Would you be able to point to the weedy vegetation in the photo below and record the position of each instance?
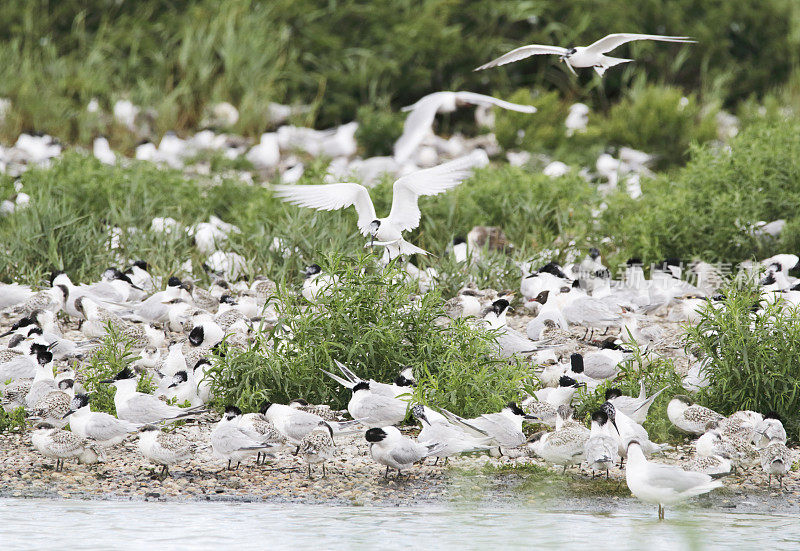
(105, 362)
(372, 324)
(753, 356)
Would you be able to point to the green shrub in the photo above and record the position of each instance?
(13, 421)
(701, 210)
(369, 324)
(660, 120)
(378, 129)
(753, 361)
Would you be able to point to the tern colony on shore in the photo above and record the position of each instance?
(151, 313)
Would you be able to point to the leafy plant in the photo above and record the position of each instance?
(752, 356)
(367, 320)
(13, 421)
(378, 129)
(111, 357)
(661, 120)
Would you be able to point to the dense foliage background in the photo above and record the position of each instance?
(178, 56)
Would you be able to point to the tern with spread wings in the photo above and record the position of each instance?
(584, 56)
(405, 214)
(421, 116)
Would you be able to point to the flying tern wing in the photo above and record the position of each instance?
(616, 40)
(331, 197)
(417, 125)
(522, 53)
(405, 212)
(481, 99)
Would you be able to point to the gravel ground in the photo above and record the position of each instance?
(353, 478)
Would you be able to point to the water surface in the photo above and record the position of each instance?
(102, 525)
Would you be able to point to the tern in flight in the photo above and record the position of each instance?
(420, 119)
(405, 214)
(584, 56)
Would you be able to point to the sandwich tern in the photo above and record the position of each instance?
(389, 447)
(776, 459)
(163, 448)
(404, 215)
(689, 417)
(138, 407)
(504, 427)
(601, 450)
(584, 56)
(232, 443)
(57, 444)
(448, 438)
(420, 119)
(663, 484)
(563, 446)
(317, 446)
(373, 409)
(102, 428)
(635, 408)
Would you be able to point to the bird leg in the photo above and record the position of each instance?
(229, 464)
(605, 332)
(445, 461)
(323, 470)
(386, 475)
(436, 462)
(585, 334)
(769, 481)
(309, 472)
(564, 471)
(606, 473)
(296, 451)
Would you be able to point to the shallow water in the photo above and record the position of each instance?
(93, 525)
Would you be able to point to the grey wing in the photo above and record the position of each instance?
(148, 406)
(481, 99)
(408, 453)
(105, 427)
(379, 407)
(674, 478)
(513, 342)
(523, 52)
(233, 438)
(612, 41)
(417, 125)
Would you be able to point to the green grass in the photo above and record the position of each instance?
(77, 200)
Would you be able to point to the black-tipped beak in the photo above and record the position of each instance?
(615, 426)
(67, 414)
(7, 333)
(530, 417)
(106, 381)
(52, 345)
(173, 385)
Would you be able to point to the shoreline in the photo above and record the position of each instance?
(354, 479)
